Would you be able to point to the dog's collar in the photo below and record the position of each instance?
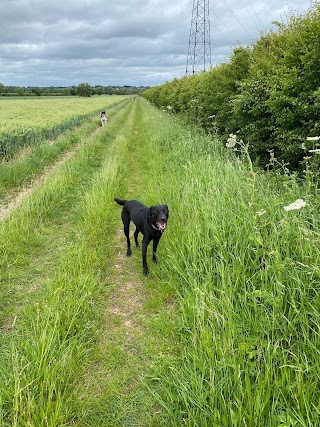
(155, 228)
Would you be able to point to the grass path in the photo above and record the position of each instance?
(59, 294)
(133, 336)
(34, 234)
(48, 281)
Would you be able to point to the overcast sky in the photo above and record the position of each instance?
(120, 42)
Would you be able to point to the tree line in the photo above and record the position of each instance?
(83, 89)
(267, 95)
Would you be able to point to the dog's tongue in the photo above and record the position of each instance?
(161, 225)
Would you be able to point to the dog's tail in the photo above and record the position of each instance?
(119, 201)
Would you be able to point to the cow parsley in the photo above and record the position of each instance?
(298, 204)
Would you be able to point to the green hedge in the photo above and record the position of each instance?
(268, 93)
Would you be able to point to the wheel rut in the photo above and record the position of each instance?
(14, 198)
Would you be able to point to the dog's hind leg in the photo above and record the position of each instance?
(126, 228)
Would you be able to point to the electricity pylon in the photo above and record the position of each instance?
(199, 51)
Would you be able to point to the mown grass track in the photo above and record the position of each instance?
(138, 318)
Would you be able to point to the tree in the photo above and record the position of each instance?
(84, 89)
(36, 91)
(99, 90)
(20, 91)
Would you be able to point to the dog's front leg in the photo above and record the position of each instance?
(155, 245)
(145, 243)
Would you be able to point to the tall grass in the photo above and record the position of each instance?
(247, 279)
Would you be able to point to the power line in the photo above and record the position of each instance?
(228, 29)
(236, 18)
(250, 14)
(262, 24)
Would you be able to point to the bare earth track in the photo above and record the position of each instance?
(14, 200)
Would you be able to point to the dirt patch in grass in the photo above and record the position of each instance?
(127, 299)
(14, 200)
(113, 381)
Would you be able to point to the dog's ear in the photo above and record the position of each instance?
(151, 211)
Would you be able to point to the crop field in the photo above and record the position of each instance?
(29, 120)
(225, 329)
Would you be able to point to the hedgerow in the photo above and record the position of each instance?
(268, 93)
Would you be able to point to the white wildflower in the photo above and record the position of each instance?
(303, 146)
(169, 107)
(272, 156)
(211, 117)
(313, 138)
(231, 141)
(298, 204)
(317, 150)
(261, 212)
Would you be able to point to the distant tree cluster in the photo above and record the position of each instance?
(268, 94)
(83, 89)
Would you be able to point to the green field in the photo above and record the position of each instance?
(224, 332)
(29, 121)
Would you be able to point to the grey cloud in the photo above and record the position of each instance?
(125, 42)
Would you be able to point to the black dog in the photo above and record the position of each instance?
(151, 222)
